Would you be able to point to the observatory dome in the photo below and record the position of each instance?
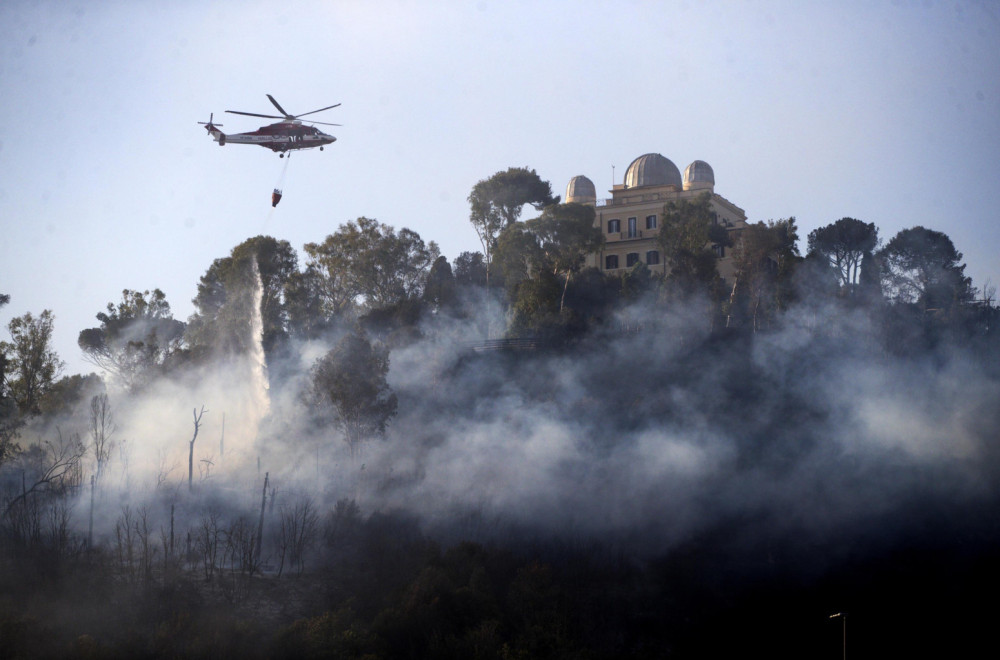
(652, 170)
(698, 175)
(581, 190)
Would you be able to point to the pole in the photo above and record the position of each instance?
(260, 525)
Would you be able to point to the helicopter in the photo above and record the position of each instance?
(284, 136)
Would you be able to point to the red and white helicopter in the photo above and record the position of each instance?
(286, 135)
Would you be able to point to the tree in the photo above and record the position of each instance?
(9, 420)
(197, 425)
(921, 266)
(134, 338)
(348, 386)
(226, 295)
(845, 244)
(31, 364)
(764, 256)
(470, 269)
(102, 428)
(497, 203)
(439, 291)
(687, 235)
(565, 234)
(369, 263)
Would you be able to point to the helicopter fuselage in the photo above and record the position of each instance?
(280, 137)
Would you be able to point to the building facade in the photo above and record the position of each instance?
(631, 218)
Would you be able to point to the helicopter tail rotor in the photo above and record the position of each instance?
(213, 130)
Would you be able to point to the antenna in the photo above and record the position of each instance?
(612, 176)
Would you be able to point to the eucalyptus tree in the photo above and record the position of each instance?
(30, 362)
(369, 264)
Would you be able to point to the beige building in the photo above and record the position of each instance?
(630, 220)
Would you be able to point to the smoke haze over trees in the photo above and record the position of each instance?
(641, 465)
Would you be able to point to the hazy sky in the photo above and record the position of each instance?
(884, 111)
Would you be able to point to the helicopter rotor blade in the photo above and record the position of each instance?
(315, 111)
(210, 122)
(325, 123)
(254, 114)
(280, 109)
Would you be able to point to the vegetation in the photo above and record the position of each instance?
(645, 467)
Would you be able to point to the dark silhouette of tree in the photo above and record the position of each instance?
(845, 244)
(348, 387)
(134, 338)
(765, 256)
(470, 269)
(439, 291)
(921, 266)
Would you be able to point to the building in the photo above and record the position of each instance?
(630, 220)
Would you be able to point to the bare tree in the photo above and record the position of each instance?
(298, 532)
(58, 468)
(102, 428)
(197, 424)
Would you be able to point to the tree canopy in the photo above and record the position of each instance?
(348, 386)
(31, 362)
(845, 244)
(226, 292)
(370, 264)
(922, 266)
(497, 203)
(135, 336)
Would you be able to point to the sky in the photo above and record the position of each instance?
(888, 112)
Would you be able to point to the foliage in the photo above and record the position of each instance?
(921, 266)
(348, 387)
(497, 202)
(134, 338)
(439, 291)
(470, 269)
(370, 264)
(688, 231)
(31, 363)
(67, 393)
(845, 245)
(225, 299)
(764, 256)
(556, 242)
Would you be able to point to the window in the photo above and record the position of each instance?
(631, 228)
(650, 222)
(653, 256)
(719, 250)
(631, 259)
(614, 227)
(611, 262)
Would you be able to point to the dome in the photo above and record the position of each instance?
(652, 170)
(581, 190)
(698, 174)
